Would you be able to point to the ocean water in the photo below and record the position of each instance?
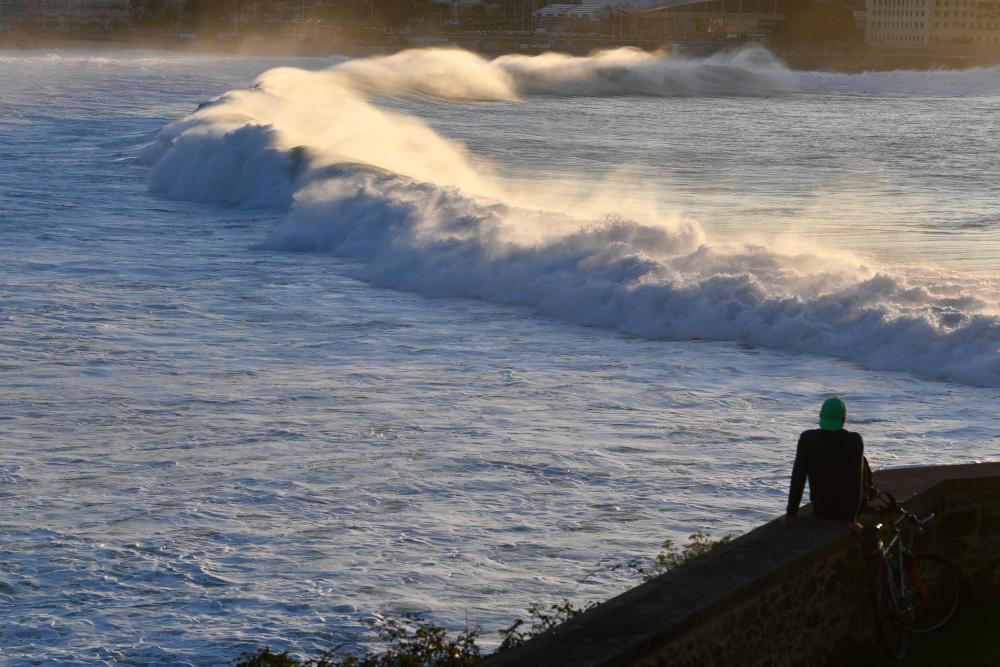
(293, 346)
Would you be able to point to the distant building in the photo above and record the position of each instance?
(572, 18)
(933, 23)
(11, 13)
(67, 15)
(455, 10)
(712, 20)
(903, 24)
(965, 23)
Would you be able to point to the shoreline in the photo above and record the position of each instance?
(848, 62)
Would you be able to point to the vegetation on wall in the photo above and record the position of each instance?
(417, 642)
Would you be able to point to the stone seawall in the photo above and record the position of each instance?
(780, 595)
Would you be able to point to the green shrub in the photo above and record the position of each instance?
(542, 618)
(671, 556)
(412, 642)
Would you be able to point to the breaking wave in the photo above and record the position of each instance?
(460, 75)
(419, 214)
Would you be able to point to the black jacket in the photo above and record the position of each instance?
(832, 462)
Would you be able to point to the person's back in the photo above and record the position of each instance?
(832, 460)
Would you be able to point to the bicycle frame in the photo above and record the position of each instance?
(897, 558)
(910, 592)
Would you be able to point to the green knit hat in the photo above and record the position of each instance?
(833, 414)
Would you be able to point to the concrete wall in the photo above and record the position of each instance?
(779, 595)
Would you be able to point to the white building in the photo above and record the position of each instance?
(967, 23)
(898, 23)
(934, 23)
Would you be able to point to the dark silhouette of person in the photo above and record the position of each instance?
(832, 459)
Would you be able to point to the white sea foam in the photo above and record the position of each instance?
(384, 188)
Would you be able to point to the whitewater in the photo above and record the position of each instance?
(293, 346)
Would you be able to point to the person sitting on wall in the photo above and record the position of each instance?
(832, 459)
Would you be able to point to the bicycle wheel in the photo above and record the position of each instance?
(888, 623)
(934, 588)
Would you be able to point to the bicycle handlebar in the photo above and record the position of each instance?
(903, 514)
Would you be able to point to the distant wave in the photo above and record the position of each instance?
(384, 189)
(98, 58)
(461, 75)
(973, 82)
(454, 74)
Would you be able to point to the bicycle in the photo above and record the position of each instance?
(910, 592)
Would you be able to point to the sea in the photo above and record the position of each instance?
(291, 348)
